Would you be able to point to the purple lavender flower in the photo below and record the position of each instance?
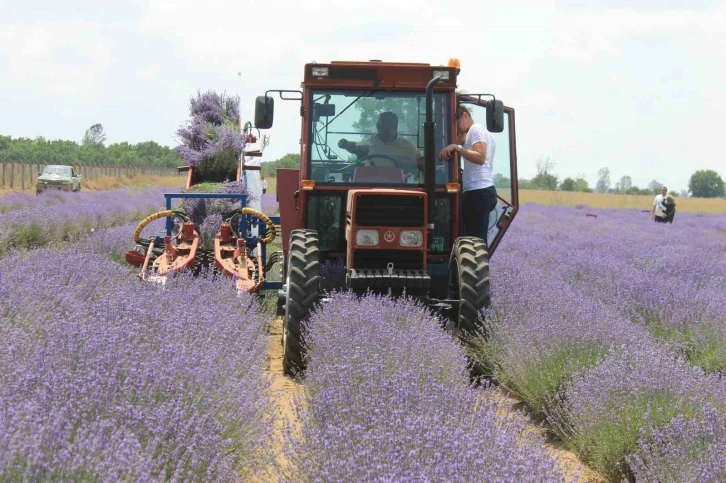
(104, 377)
(389, 400)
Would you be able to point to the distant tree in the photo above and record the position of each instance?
(501, 181)
(545, 180)
(94, 136)
(706, 184)
(654, 186)
(623, 185)
(603, 180)
(568, 184)
(582, 185)
(290, 160)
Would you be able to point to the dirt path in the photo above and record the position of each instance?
(287, 400)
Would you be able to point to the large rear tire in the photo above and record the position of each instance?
(469, 283)
(302, 292)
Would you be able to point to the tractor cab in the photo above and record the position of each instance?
(372, 194)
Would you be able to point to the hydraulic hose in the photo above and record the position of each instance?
(155, 216)
(271, 231)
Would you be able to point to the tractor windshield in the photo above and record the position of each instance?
(373, 138)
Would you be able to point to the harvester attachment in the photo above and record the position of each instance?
(232, 254)
(176, 254)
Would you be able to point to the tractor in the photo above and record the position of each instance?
(385, 208)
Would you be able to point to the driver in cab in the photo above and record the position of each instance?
(387, 144)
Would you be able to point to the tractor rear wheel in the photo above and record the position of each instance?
(302, 292)
(469, 283)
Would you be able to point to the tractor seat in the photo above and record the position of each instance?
(377, 174)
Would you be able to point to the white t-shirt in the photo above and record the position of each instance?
(264, 183)
(658, 203)
(478, 176)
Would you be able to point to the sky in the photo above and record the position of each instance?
(636, 86)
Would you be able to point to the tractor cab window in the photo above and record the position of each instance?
(373, 138)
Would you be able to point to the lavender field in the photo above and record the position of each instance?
(612, 331)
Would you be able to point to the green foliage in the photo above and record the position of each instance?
(706, 184)
(540, 382)
(608, 442)
(603, 180)
(501, 181)
(407, 110)
(291, 160)
(94, 136)
(568, 184)
(41, 151)
(545, 181)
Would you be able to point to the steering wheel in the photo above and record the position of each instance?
(359, 161)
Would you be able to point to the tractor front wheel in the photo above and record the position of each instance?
(469, 284)
(303, 276)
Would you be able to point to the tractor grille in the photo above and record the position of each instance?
(401, 259)
(389, 210)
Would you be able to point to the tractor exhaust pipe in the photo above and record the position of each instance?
(430, 155)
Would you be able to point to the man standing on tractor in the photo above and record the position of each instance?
(387, 143)
(479, 194)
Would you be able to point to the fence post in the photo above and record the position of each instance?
(2, 180)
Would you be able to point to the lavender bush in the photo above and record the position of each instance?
(103, 377)
(686, 449)
(602, 411)
(389, 400)
(592, 318)
(42, 225)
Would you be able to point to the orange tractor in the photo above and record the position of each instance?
(389, 213)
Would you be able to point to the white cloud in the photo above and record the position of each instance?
(57, 59)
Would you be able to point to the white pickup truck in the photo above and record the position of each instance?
(57, 177)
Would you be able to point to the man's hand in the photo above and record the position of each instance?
(448, 152)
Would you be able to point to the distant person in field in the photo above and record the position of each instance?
(657, 213)
(264, 185)
(669, 209)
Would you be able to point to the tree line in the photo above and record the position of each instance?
(702, 184)
(91, 151)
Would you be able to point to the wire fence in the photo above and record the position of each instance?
(18, 175)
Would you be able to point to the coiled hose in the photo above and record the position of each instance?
(155, 216)
(271, 231)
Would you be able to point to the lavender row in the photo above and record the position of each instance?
(103, 377)
(389, 400)
(562, 335)
(71, 217)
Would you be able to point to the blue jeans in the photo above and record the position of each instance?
(475, 209)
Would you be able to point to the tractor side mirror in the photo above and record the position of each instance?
(264, 110)
(495, 116)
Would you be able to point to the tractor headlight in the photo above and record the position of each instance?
(366, 238)
(411, 238)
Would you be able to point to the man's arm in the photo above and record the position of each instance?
(476, 155)
(354, 148)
